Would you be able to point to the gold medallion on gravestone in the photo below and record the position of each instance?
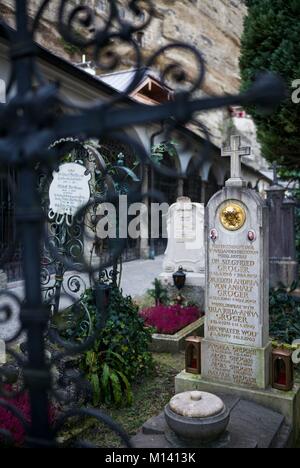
(232, 216)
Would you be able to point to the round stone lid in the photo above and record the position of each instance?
(196, 404)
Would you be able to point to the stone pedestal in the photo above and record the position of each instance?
(285, 403)
(240, 365)
(251, 426)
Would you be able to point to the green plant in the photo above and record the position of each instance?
(109, 384)
(158, 151)
(159, 293)
(271, 42)
(284, 316)
(122, 345)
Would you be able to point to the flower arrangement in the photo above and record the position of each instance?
(170, 319)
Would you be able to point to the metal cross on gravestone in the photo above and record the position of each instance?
(235, 151)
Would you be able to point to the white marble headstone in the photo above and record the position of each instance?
(185, 227)
(69, 190)
(236, 347)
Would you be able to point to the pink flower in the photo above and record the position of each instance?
(12, 424)
(170, 319)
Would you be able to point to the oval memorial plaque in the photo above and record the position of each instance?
(69, 190)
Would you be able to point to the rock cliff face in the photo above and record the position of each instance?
(213, 26)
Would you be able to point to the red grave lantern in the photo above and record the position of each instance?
(282, 369)
(193, 354)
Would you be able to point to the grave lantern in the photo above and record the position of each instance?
(193, 355)
(179, 278)
(282, 369)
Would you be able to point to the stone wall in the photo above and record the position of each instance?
(214, 26)
(47, 35)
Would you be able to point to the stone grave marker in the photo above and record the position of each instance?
(236, 350)
(185, 227)
(69, 190)
(236, 347)
(283, 255)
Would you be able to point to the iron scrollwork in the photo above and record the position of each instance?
(30, 123)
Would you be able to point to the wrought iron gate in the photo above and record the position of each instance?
(30, 123)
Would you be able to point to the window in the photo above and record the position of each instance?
(2, 91)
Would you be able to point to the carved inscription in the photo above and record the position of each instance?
(184, 221)
(233, 301)
(233, 364)
(69, 190)
(236, 348)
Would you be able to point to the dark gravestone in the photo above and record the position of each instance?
(283, 258)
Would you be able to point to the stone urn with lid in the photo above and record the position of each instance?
(197, 417)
